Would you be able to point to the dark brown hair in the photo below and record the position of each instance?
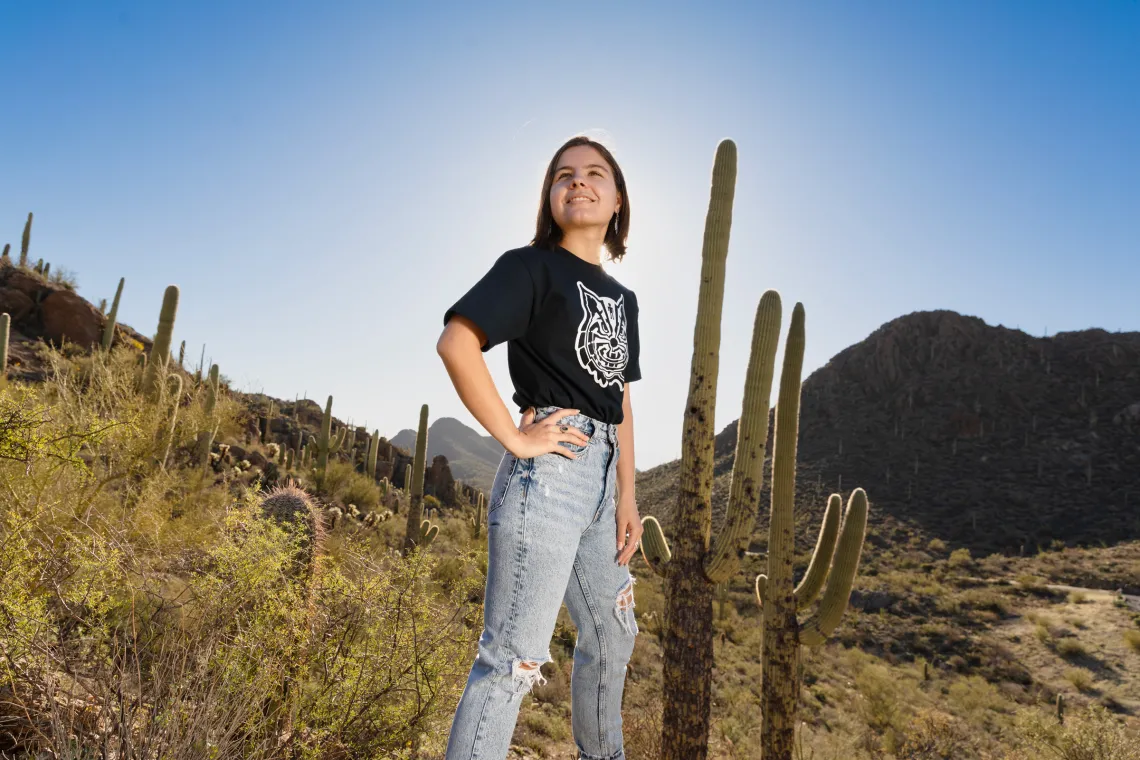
(546, 230)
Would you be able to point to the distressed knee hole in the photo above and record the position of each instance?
(525, 674)
(623, 607)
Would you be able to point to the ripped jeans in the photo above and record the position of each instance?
(552, 538)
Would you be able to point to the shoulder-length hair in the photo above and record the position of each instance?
(546, 230)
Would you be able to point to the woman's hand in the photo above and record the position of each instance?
(628, 530)
(543, 437)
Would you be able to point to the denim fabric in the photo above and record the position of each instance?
(552, 538)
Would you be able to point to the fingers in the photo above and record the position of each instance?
(629, 535)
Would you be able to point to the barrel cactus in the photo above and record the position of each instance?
(293, 509)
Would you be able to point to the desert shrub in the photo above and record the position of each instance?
(1080, 678)
(1078, 597)
(357, 489)
(1085, 735)
(936, 546)
(960, 558)
(936, 736)
(152, 607)
(1132, 639)
(1070, 648)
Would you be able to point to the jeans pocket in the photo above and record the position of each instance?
(503, 478)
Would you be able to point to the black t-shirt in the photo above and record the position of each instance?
(570, 328)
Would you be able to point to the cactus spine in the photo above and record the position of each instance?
(160, 349)
(414, 533)
(25, 240)
(109, 328)
(328, 443)
(783, 633)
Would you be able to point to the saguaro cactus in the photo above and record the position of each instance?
(477, 521)
(5, 328)
(160, 349)
(370, 459)
(693, 568)
(783, 633)
(328, 442)
(414, 535)
(25, 240)
(206, 437)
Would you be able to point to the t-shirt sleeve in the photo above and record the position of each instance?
(501, 302)
(633, 368)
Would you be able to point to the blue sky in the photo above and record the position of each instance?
(322, 180)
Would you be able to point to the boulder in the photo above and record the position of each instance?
(68, 316)
(16, 303)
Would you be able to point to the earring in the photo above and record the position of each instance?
(615, 224)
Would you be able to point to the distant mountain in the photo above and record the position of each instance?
(985, 437)
(473, 457)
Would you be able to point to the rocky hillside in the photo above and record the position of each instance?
(985, 437)
(474, 458)
(50, 311)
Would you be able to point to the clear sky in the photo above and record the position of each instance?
(323, 180)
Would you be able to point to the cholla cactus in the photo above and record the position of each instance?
(205, 437)
(334, 516)
(273, 450)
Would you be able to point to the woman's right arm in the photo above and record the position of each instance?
(460, 347)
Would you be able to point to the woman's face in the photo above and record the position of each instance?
(583, 192)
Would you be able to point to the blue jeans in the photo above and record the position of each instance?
(552, 538)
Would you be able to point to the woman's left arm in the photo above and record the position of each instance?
(628, 520)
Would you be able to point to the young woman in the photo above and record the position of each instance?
(559, 527)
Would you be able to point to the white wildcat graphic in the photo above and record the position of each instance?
(601, 340)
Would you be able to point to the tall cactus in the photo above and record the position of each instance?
(5, 328)
(5, 259)
(160, 349)
(477, 521)
(328, 442)
(25, 240)
(693, 568)
(783, 633)
(414, 535)
(177, 394)
(206, 437)
(109, 328)
(373, 449)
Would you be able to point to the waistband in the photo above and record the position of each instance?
(596, 429)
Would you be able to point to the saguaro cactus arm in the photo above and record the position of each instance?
(654, 546)
(812, 582)
(820, 564)
(751, 439)
(834, 602)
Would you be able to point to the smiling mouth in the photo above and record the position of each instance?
(579, 199)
